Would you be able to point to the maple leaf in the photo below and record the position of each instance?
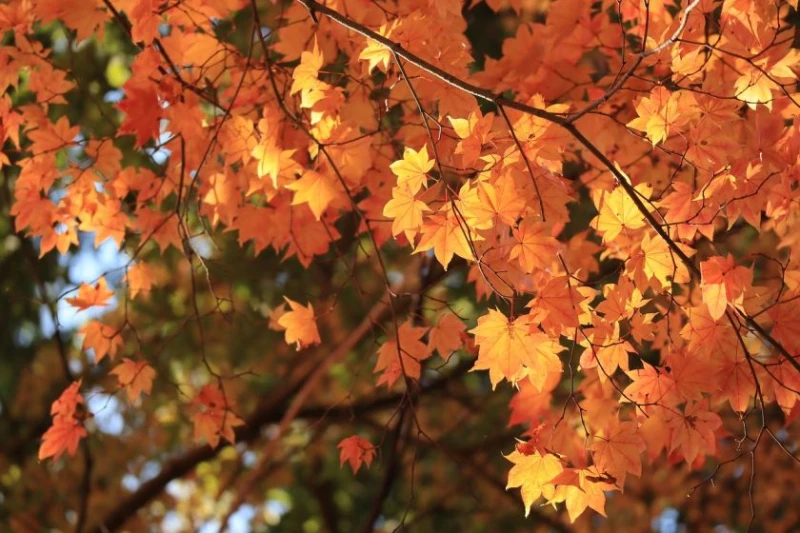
(693, 433)
(300, 324)
(618, 451)
(305, 74)
(406, 212)
(141, 110)
(63, 436)
(658, 113)
(533, 474)
(579, 489)
(135, 377)
(707, 335)
(785, 318)
(753, 88)
(444, 234)
(556, 305)
(619, 213)
(735, 379)
(103, 339)
(356, 451)
(474, 132)
(212, 416)
(446, 336)
(412, 170)
(140, 279)
(651, 385)
(316, 189)
(655, 260)
(535, 247)
(68, 404)
(483, 203)
(723, 283)
(377, 54)
(402, 353)
(505, 347)
(96, 295)
(271, 159)
(145, 20)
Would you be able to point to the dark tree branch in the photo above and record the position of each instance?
(393, 462)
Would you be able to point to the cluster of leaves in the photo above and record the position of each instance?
(618, 189)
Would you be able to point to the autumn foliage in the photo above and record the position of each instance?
(540, 246)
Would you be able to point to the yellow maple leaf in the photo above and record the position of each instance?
(376, 53)
(411, 171)
(658, 112)
(533, 474)
(271, 159)
(658, 260)
(406, 212)
(753, 88)
(618, 212)
(508, 350)
(305, 74)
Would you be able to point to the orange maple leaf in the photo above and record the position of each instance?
(556, 306)
(69, 412)
(356, 451)
(212, 417)
(135, 377)
(580, 488)
(618, 450)
(142, 111)
(104, 339)
(300, 324)
(535, 247)
(447, 237)
(474, 132)
(63, 436)
(96, 295)
(316, 189)
(694, 432)
(447, 336)
(723, 283)
(140, 278)
(402, 353)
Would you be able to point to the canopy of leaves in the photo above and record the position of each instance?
(423, 265)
